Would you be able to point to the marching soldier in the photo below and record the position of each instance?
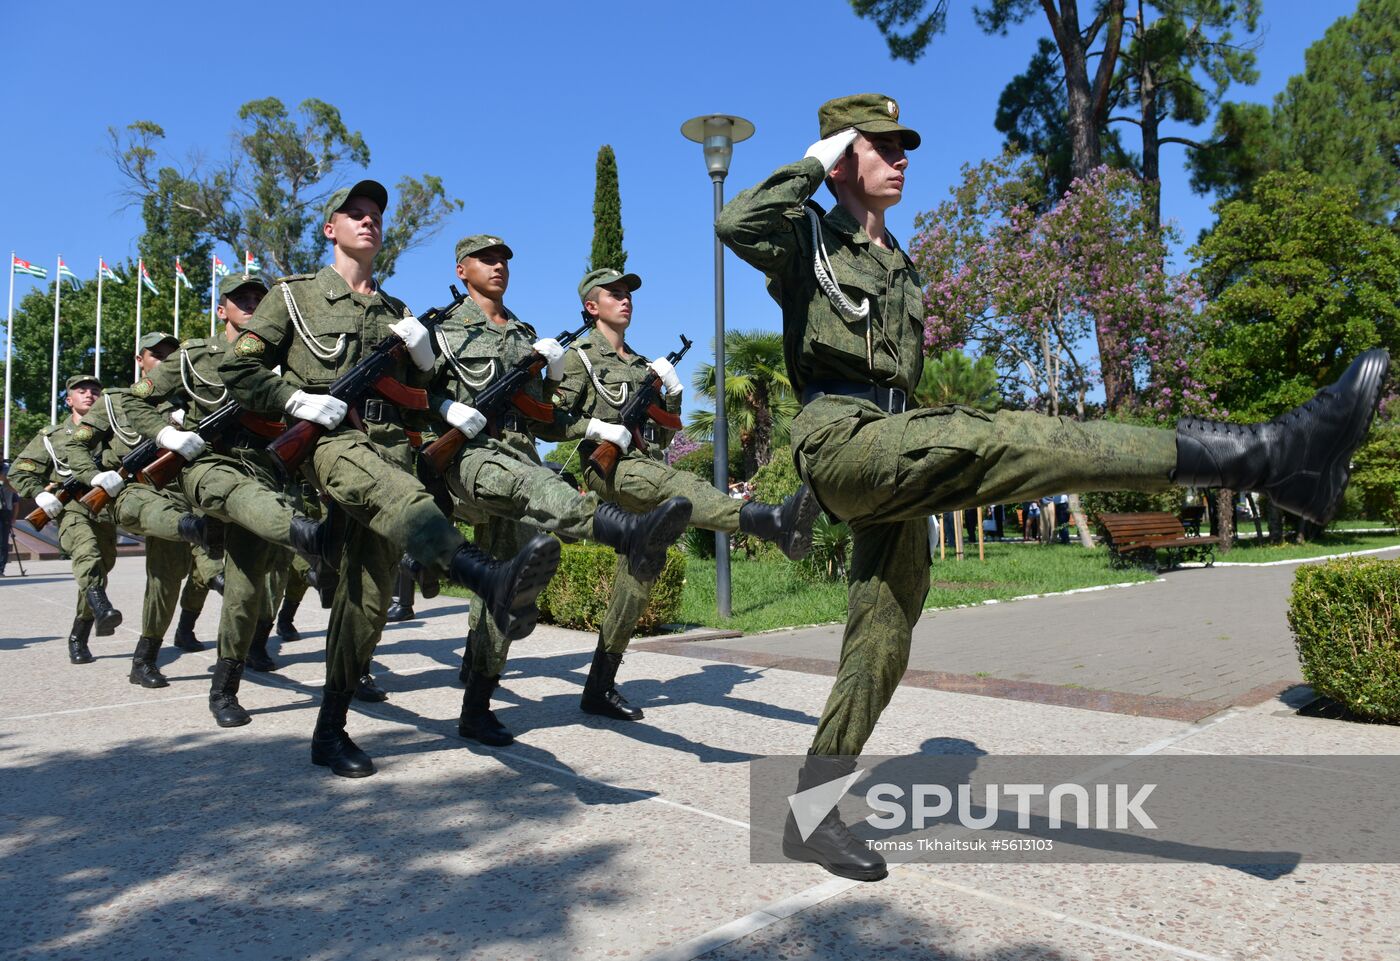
(317, 327)
(601, 373)
(89, 539)
(853, 339)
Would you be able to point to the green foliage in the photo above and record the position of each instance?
(955, 378)
(701, 462)
(607, 215)
(566, 456)
(1346, 618)
(831, 546)
(759, 402)
(777, 479)
(1375, 475)
(1299, 285)
(1128, 502)
(579, 592)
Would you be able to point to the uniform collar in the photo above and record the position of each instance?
(606, 349)
(843, 222)
(334, 287)
(475, 315)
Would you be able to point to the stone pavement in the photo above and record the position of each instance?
(133, 828)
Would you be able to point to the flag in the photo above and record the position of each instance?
(146, 279)
(25, 267)
(250, 263)
(180, 275)
(220, 268)
(64, 272)
(107, 273)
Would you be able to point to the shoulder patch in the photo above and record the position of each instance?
(249, 344)
(26, 465)
(84, 433)
(142, 388)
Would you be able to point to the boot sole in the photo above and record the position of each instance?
(1375, 367)
(793, 853)
(343, 772)
(609, 712)
(267, 668)
(799, 544)
(240, 723)
(666, 530)
(191, 646)
(149, 686)
(530, 578)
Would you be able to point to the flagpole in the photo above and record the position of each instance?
(213, 287)
(140, 285)
(9, 352)
(177, 298)
(97, 336)
(57, 296)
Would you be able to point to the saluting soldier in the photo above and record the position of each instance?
(89, 539)
(502, 477)
(601, 374)
(317, 327)
(853, 339)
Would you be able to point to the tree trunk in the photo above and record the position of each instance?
(1081, 521)
(1224, 512)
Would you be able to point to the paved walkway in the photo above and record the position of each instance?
(132, 827)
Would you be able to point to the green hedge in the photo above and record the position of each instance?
(578, 595)
(1346, 618)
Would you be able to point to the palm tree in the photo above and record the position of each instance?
(758, 397)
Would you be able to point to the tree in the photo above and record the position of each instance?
(759, 402)
(955, 378)
(607, 216)
(267, 197)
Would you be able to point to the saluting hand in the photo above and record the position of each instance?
(830, 149)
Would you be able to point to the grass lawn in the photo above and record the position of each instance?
(1332, 542)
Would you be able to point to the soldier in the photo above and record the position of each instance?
(89, 539)
(317, 327)
(600, 374)
(163, 518)
(502, 477)
(853, 337)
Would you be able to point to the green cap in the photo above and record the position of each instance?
(77, 379)
(372, 189)
(868, 113)
(604, 276)
(479, 242)
(155, 338)
(234, 281)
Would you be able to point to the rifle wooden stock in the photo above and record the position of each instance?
(295, 443)
(437, 457)
(664, 417)
(162, 470)
(604, 458)
(536, 410)
(96, 499)
(38, 517)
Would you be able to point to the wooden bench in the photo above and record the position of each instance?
(1136, 539)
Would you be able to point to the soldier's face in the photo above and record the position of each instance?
(82, 397)
(873, 169)
(613, 304)
(486, 271)
(238, 307)
(357, 227)
(150, 358)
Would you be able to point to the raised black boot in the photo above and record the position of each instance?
(789, 524)
(286, 629)
(143, 664)
(465, 670)
(223, 694)
(367, 690)
(78, 652)
(600, 696)
(478, 722)
(831, 844)
(1301, 459)
(184, 632)
(508, 588)
(402, 608)
(258, 658)
(216, 583)
(203, 532)
(104, 615)
(330, 746)
(642, 538)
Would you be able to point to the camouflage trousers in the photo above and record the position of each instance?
(91, 543)
(155, 515)
(504, 478)
(885, 475)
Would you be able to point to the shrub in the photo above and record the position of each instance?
(1346, 615)
(1376, 477)
(831, 544)
(776, 479)
(700, 461)
(578, 595)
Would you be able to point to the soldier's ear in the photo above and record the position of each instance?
(328, 232)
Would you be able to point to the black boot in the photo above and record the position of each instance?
(258, 658)
(465, 670)
(320, 543)
(831, 844)
(285, 628)
(78, 652)
(508, 588)
(216, 583)
(478, 722)
(1301, 459)
(428, 583)
(184, 632)
(330, 746)
(600, 696)
(642, 538)
(402, 608)
(104, 615)
(223, 694)
(143, 664)
(203, 532)
(789, 524)
(367, 690)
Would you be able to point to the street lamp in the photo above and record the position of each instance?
(718, 133)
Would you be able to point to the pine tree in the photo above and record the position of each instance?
(607, 216)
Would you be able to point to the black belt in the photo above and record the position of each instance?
(513, 421)
(373, 410)
(892, 400)
(653, 434)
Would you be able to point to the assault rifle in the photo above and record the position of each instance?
(509, 388)
(645, 405)
(296, 443)
(65, 492)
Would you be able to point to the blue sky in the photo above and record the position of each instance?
(509, 104)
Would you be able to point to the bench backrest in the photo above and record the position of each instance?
(1127, 529)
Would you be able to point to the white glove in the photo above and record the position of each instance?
(416, 339)
(552, 351)
(464, 417)
(324, 409)
(177, 417)
(831, 149)
(601, 430)
(49, 504)
(187, 444)
(667, 372)
(110, 481)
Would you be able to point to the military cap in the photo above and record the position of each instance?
(155, 338)
(603, 277)
(234, 281)
(77, 379)
(868, 113)
(479, 242)
(372, 189)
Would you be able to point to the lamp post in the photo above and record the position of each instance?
(718, 133)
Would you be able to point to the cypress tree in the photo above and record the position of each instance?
(607, 216)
